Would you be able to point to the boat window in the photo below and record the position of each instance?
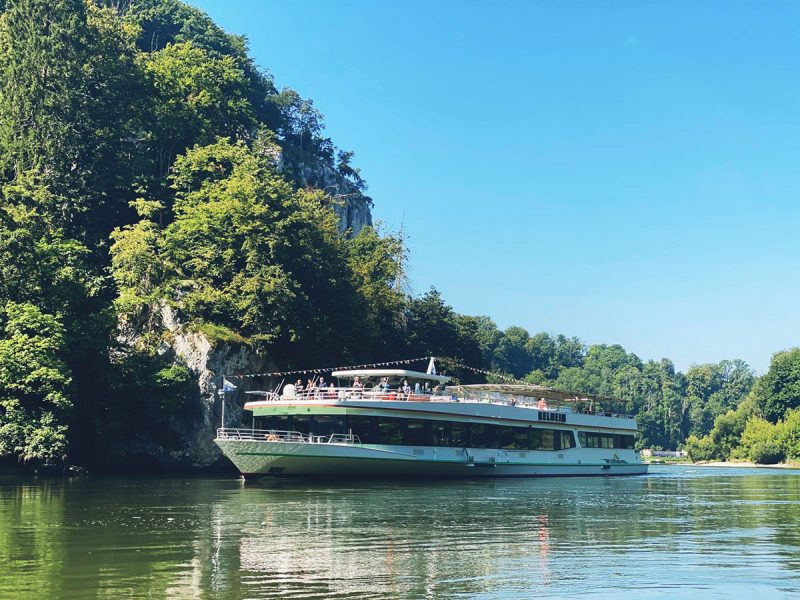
(326, 425)
(542, 439)
(276, 422)
(589, 439)
(623, 441)
(390, 431)
(521, 437)
(454, 434)
(440, 432)
(506, 437)
(366, 428)
(301, 423)
(418, 433)
(459, 435)
(483, 436)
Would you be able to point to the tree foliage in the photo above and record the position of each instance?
(778, 391)
(34, 384)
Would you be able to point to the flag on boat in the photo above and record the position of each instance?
(227, 386)
(431, 367)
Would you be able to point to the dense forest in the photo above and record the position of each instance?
(146, 163)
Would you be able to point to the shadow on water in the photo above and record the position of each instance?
(678, 532)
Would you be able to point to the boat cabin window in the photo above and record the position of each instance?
(567, 440)
(390, 431)
(329, 424)
(590, 439)
(428, 432)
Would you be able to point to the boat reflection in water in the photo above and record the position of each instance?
(334, 545)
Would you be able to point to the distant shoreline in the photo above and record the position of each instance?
(738, 464)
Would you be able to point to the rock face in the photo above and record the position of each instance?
(351, 205)
(189, 445)
(354, 214)
(210, 362)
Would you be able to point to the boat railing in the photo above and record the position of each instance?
(570, 406)
(259, 435)
(338, 438)
(277, 435)
(361, 393)
(378, 394)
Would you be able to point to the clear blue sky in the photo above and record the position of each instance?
(625, 172)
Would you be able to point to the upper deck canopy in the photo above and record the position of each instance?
(529, 391)
(372, 373)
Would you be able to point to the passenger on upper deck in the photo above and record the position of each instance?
(357, 386)
(384, 384)
(542, 404)
(298, 386)
(405, 388)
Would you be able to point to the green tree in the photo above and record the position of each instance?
(34, 385)
(713, 389)
(69, 93)
(778, 391)
(199, 96)
(512, 354)
(375, 262)
(760, 442)
(247, 252)
(790, 434)
(432, 329)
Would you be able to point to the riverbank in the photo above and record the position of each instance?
(743, 464)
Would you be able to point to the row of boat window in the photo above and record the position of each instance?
(426, 432)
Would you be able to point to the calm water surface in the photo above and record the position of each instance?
(680, 532)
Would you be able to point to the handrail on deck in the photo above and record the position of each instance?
(276, 435)
(335, 394)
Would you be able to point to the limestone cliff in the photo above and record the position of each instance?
(351, 204)
(209, 361)
(186, 439)
(192, 447)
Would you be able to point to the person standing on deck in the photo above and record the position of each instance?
(357, 387)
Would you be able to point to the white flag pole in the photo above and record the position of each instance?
(222, 395)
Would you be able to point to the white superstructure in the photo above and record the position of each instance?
(401, 423)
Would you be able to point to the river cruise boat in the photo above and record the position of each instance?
(402, 423)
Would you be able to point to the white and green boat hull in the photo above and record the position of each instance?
(256, 458)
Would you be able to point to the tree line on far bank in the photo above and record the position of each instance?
(765, 426)
(146, 161)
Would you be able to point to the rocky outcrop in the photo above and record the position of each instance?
(185, 441)
(351, 205)
(209, 361)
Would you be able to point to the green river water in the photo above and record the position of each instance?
(680, 532)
